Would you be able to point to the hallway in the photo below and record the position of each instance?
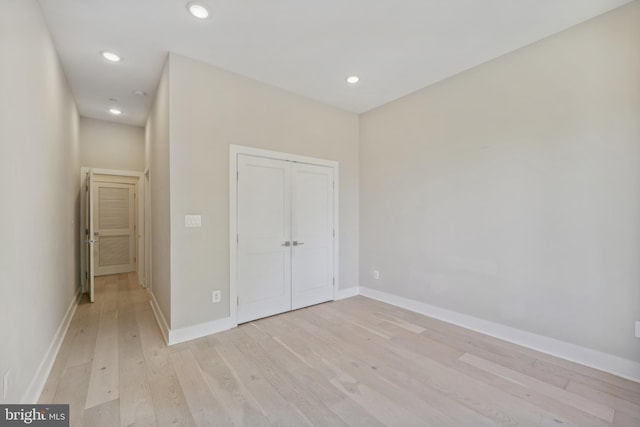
(101, 360)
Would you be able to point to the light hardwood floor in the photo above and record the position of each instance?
(356, 362)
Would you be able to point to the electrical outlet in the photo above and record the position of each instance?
(637, 328)
(215, 297)
(376, 275)
(5, 385)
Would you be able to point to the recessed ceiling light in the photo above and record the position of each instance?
(198, 10)
(115, 111)
(139, 92)
(110, 56)
(353, 79)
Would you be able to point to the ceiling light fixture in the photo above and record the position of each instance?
(139, 92)
(353, 79)
(198, 10)
(110, 56)
(115, 111)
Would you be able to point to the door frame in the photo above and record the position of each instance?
(140, 217)
(234, 151)
(146, 265)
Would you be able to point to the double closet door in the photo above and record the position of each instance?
(285, 236)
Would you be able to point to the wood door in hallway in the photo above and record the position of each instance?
(114, 227)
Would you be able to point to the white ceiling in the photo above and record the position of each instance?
(304, 46)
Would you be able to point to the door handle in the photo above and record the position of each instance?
(287, 244)
(296, 243)
(95, 233)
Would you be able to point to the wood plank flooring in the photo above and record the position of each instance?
(356, 362)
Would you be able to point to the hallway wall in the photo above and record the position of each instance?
(157, 160)
(39, 172)
(109, 145)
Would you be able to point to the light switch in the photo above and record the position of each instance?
(191, 221)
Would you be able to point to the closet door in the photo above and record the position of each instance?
(312, 235)
(264, 237)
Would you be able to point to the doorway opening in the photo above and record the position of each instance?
(112, 225)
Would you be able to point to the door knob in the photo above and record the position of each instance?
(296, 243)
(287, 244)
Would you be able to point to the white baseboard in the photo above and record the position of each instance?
(200, 330)
(619, 366)
(178, 335)
(162, 322)
(347, 293)
(33, 392)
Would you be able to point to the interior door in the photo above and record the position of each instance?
(114, 227)
(313, 234)
(264, 237)
(89, 239)
(285, 249)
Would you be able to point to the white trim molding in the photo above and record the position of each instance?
(615, 365)
(162, 322)
(33, 392)
(347, 293)
(188, 333)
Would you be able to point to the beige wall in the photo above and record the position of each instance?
(39, 171)
(110, 145)
(157, 153)
(211, 109)
(511, 192)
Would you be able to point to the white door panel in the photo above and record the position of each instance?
(264, 281)
(312, 230)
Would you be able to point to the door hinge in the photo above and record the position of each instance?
(238, 300)
(237, 238)
(334, 232)
(134, 259)
(86, 275)
(237, 176)
(334, 281)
